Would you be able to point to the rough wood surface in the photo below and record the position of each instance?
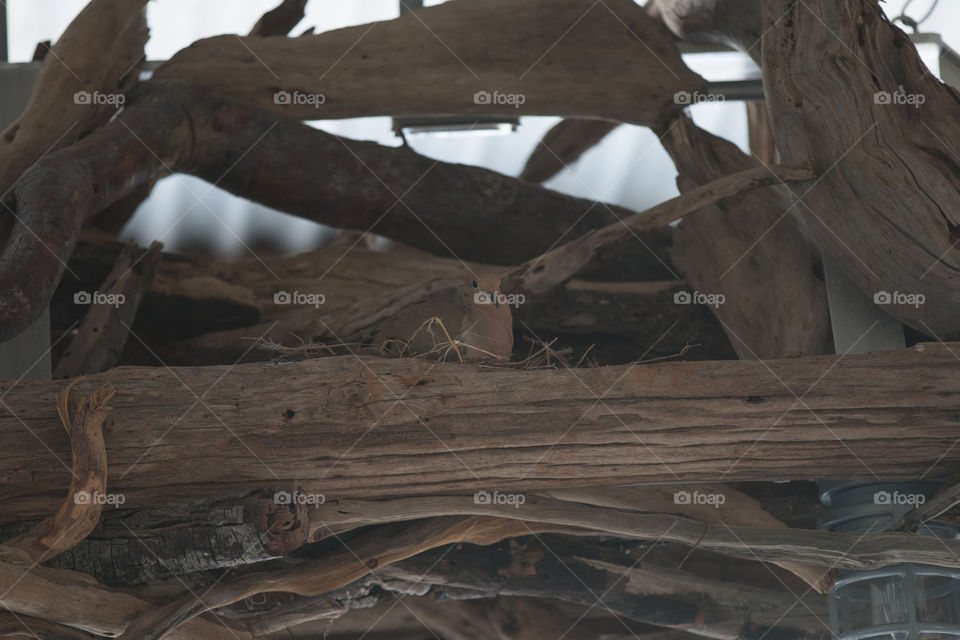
(749, 250)
(576, 59)
(884, 138)
(558, 265)
(393, 192)
(203, 535)
(373, 428)
(54, 117)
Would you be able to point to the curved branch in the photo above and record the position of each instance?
(283, 164)
(83, 419)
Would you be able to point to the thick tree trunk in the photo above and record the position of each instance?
(349, 427)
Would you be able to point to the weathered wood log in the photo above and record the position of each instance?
(750, 251)
(563, 145)
(78, 88)
(538, 58)
(336, 424)
(394, 192)
(102, 334)
(884, 137)
(229, 303)
(580, 573)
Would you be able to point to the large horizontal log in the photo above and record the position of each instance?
(469, 212)
(575, 58)
(366, 428)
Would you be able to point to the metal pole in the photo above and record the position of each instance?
(410, 5)
(4, 49)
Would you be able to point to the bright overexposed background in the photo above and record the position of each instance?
(628, 168)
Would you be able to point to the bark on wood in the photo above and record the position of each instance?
(336, 425)
(394, 192)
(55, 116)
(562, 60)
(749, 250)
(83, 420)
(103, 333)
(656, 596)
(563, 145)
(884, 137)
(161, 542)
(75, 600)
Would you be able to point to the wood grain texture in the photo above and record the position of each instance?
(352, 428)
(750, 250)
(576, 58)
(883, 133)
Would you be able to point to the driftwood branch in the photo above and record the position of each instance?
(579, 573)
(858, 417)
(559, 265)
(563, 145)
(394, 192)
(550, 60)
(65, 103)
(83, 420)
(112, 309)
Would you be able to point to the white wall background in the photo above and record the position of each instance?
(628, 168)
